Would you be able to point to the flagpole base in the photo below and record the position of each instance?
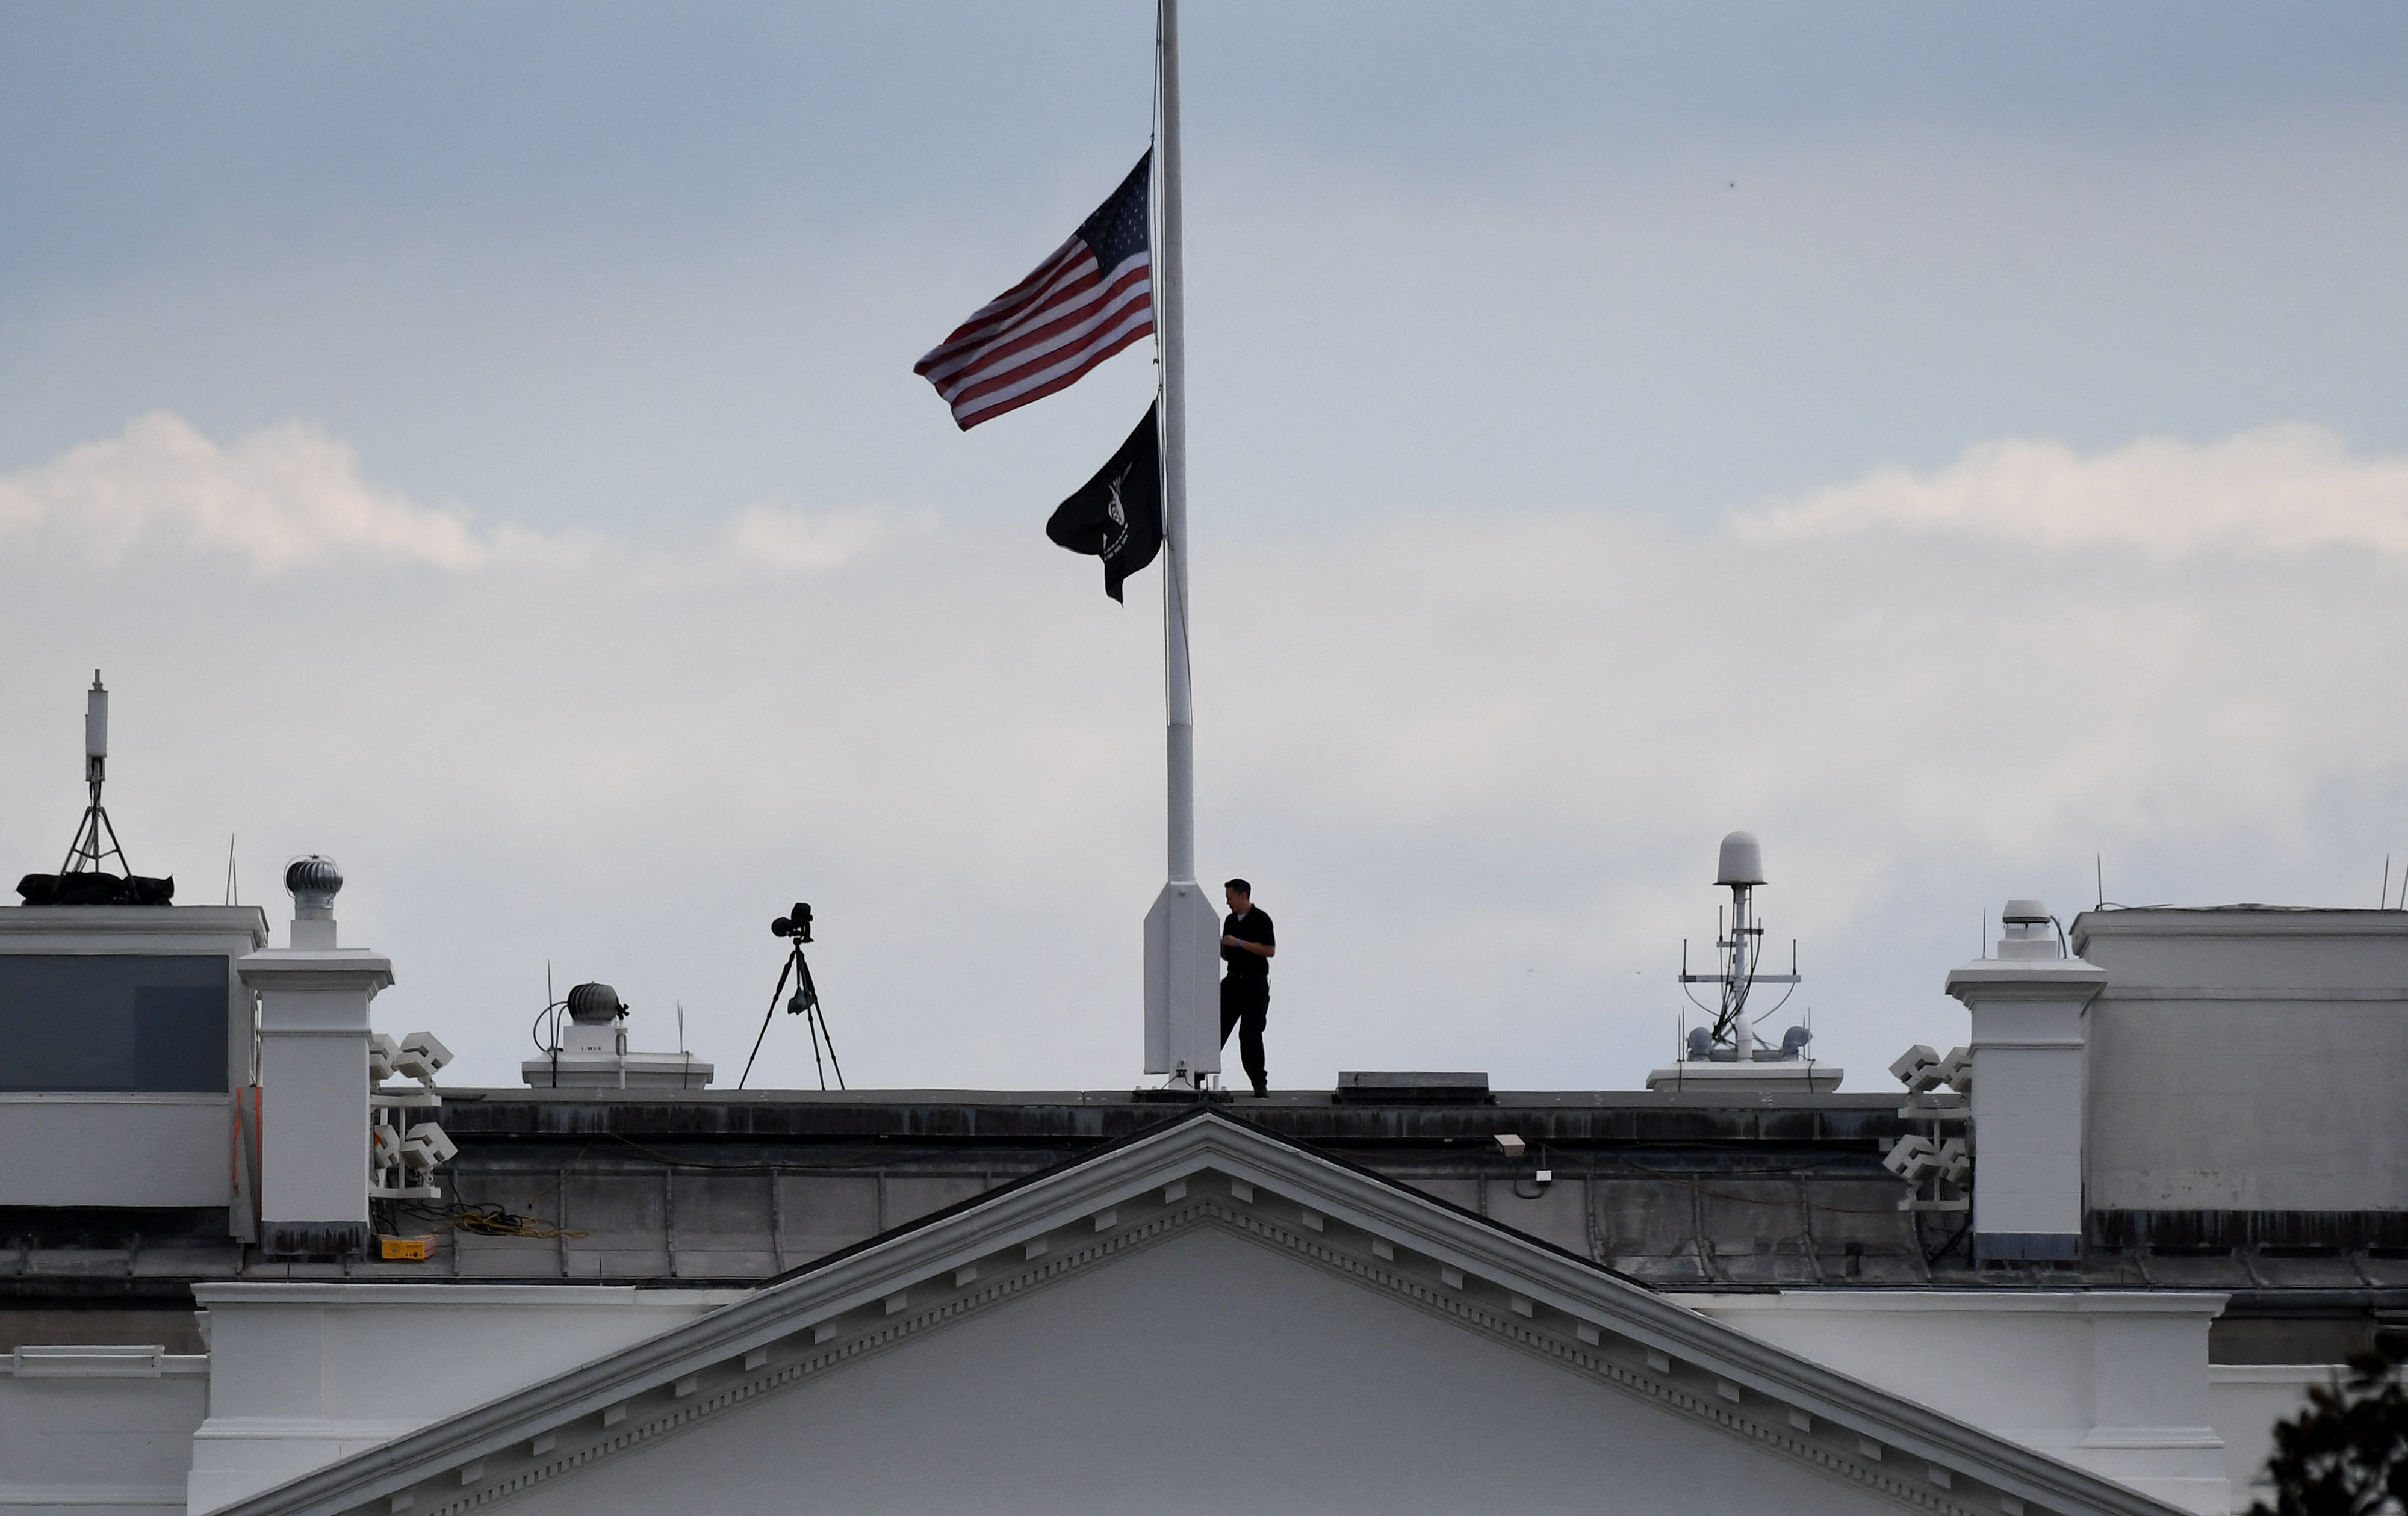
(1182, 995)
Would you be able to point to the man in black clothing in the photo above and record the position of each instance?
(1247, 946)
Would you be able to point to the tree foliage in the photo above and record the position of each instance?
(2347, 1454)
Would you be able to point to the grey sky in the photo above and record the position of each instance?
(1507, 322)
(643, 265)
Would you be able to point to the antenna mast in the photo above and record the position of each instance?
(86, 855)
(1726, 1053)
(1740, 869)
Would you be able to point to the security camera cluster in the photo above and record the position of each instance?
(403, 1158)
(1939, 1168)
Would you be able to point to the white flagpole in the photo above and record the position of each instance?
(1182, 1020)
(1171, 322)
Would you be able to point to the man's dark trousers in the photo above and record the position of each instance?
(1245, 1001)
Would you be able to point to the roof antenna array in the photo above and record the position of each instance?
(85, 855)
(1732, 1037)
(84, 879)
(1724, 1054)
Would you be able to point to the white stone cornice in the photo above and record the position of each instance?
(306, 970)
(85, 929)
(2026, 979)
(1206, 1170)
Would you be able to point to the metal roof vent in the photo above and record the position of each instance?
(313, 883)
(595, 1005)
(589, 1049)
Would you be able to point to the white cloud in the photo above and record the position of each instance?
(2275, 488)
(285, 496)
(292, 497)
(784, 538)
(1477, 762)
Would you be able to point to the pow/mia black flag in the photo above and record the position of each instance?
(1117, 515)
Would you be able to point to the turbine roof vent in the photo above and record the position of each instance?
(595, 1005)
(313, 883)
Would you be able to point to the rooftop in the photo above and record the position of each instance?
(1679, 1191)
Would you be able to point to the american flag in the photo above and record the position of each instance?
(1093, 297)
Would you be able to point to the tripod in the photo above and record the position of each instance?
(806, 1004)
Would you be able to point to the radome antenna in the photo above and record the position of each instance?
(1741, 868)
(86, 855)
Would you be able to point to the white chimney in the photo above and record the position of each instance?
(2030, 1007)
(313, 1075)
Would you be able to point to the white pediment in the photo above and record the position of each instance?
(1201, 1318)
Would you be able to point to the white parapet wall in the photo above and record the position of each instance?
(117, 1148)
(386, 1359)
(98, 1431)
(2247, 1059)
(101, 1139)
(2247, 1401)
(2116, 1381)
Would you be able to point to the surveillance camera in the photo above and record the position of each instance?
(382, 1053)
(1914, 1159)
(427, 1147)
(1913, 1064)
(422, 1056)
(1955, 1162)
(1956, 1071)
(1509, 1144)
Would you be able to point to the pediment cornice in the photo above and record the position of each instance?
(1205, 1171)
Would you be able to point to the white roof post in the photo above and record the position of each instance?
(313, 1075)
(2030, 1007)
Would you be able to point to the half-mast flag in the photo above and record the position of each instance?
(1093, 297)
(1117, 515)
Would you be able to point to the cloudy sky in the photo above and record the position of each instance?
(1967, 448)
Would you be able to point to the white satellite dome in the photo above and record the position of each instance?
(1743, 860)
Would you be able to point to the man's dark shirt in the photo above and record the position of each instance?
(1253, 927)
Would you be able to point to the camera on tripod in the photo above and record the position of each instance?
(795, 927)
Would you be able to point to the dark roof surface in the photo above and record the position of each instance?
(1681, 1191)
